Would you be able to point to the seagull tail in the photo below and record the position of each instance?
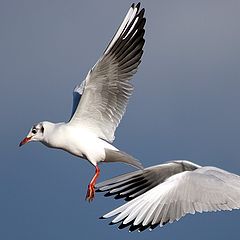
(119, 156)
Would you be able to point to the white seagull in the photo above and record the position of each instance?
(99, 102)
(164, 193)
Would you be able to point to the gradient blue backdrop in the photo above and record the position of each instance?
(185, 106)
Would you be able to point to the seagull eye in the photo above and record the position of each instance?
(34, 131)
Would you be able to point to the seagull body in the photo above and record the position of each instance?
(164, 193)
(91, 148)
(100, 101)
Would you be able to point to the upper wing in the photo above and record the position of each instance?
(205, 189)
(107, 88)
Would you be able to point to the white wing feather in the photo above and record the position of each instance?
(205, 189)
(107, 88)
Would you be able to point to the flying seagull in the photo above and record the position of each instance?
(164, 193)
(99, 102)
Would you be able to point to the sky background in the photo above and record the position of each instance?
(185, 106)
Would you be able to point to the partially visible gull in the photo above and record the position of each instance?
(164, 193)
(100, 101)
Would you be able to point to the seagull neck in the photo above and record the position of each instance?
(51, 132)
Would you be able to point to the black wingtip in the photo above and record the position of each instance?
(141, 13)
(133, 228)
(119, 196)
(153, 226)
(128, 198)
(143, 228)
(138, 5)
(122, 225)
(164, 223)
(112, 223)
(108, 194)
(102, 217)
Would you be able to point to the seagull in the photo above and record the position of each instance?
(164, 193)
(99, 102)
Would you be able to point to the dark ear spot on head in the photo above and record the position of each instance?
(42, 129)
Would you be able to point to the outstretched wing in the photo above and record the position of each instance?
(205, 189)
(107, 88)
(133, 184)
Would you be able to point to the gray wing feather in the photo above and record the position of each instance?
(133, 184)
(205, 189)
(107, 88)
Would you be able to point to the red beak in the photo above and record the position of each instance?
(25, 140)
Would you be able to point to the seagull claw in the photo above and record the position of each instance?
(91, 187)
(90, 193)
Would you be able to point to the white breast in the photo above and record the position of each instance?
(77, 141)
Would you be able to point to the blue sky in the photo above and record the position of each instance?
(185, 106)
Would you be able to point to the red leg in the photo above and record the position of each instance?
(91, 187)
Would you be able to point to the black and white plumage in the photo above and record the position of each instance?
(100, 101)
(164, 193)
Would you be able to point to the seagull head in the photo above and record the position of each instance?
(35, 134)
